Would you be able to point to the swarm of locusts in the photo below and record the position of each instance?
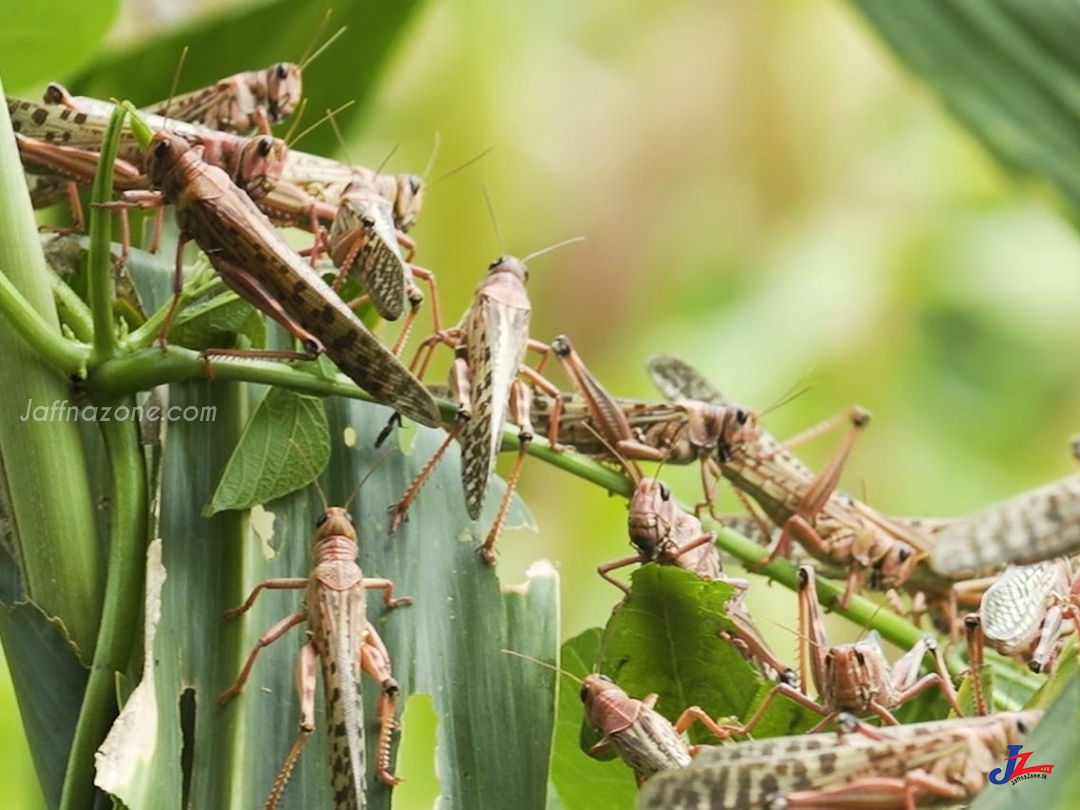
(210, 155)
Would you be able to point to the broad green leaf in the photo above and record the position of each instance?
(1008, 69)
(284, 445)
(666, 638)
(50, 682)
(43, 41)
(447, 644)
(255, 36)
(581, 781)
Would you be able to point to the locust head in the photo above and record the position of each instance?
(260, 164)
(408, 200)
(894, 566)
(283, 90)
(652, 514)
(163, 157)
(334, 522)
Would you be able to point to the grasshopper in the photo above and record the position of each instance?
(1022, 614)
(664, 533)
(856, 677)
(860, 766)
(365, 237)
(58, 138)
(256, 262)
(241, 103)
(489, 350)
(831, 525)
(642, 737)
(341, 638)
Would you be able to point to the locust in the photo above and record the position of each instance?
(344, 642)
(57, 137)
(242, 103)
(642, 737)
(489, 347)
(1023, 614)
(854, 678)
(859, 766)
(662, 532)
(256, 262)
(364, 238)
(831, 525)
(1036, 525)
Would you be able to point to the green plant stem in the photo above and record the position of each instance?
(100, 287)
(66, 355)
(74, 313)
(128, 530)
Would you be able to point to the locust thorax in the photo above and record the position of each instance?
(283, 90)
(652, 514)
(607, 707)
(335, 535)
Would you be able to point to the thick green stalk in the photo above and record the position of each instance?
(100, 260)
(128, 530)
(44, 462)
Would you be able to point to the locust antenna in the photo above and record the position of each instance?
(329, 115)
(556, 246)
(313, 471)
(368, 474)
(310, 55)
(175, 81)
(544, 664)
(296, 119)
(494, 221)
(456, 169)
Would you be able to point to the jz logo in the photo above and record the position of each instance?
(1016, 767)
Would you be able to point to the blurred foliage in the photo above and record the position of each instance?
(764, 193)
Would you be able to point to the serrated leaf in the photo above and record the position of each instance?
(666, 638)
(284, 445)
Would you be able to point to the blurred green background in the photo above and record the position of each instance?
(764, 191)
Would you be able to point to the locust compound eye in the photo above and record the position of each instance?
(584, 692)
(904, 554)
(265, 146)
(741, 415)
(161, 149)
(282, 70)
(325, 516)
(665, 493)
(415, 185)
(605, 679)
(497, 262)
(349, 517)
(860, 657)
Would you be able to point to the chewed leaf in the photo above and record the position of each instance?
(284, 446)
(671, 636)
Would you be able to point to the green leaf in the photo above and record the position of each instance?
(447, 644)
(582, 781)
(216, 322)
(666, 638)
(1008, 70)
(42, 41)
(255, 36)
(284, 445)
(50, 681)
